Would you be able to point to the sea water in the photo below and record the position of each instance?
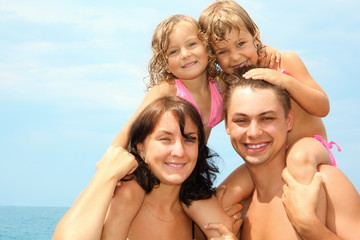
(29, 223)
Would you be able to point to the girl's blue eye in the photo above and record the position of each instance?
(192, 44)
(172, 52)
(222, 52)
(240, 44)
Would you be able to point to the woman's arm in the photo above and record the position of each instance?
(86, 217)
(122, 137)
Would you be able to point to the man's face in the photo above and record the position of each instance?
(257, 125)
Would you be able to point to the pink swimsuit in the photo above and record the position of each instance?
(328, 146)
(216, 101)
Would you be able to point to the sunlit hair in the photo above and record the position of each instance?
(224, 16)
(160, 44)
(199, 184)
(238, 81)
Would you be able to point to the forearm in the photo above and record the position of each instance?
(314, 230)
(121, 138)
(312, 100)
(85, 218)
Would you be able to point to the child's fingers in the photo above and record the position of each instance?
(272, 61)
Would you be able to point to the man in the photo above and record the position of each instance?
(258, 117)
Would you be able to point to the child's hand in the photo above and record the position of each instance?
(226, 234)
(116, 163)
(272, 58)
(269, 75)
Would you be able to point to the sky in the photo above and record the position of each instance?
(72, 73)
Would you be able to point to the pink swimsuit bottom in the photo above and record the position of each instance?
(328, 146)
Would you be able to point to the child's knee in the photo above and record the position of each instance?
(302, 166)
(301, 159)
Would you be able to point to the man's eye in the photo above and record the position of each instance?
(268, 118)
(240, 120)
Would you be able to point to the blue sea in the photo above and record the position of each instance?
(29, 223)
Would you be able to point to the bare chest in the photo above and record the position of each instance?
(146, 226)
(267, 221)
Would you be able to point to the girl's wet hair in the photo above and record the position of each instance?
(160, 44)
(224, 16)
(199, 184)
(237, 80)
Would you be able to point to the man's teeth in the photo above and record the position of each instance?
(256, 146)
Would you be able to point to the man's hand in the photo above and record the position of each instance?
(300, 200)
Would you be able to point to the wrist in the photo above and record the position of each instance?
(306, 225)
(105, 178)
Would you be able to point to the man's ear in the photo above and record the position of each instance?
(227, 127)
(290, 120)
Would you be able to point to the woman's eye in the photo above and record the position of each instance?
(165, 139)
(190, 139)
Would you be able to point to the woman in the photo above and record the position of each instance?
(167, 142)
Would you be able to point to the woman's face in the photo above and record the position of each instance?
(170, 156)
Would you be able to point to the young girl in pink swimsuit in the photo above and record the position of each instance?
(235, 39)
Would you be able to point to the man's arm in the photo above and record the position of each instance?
(343, 206)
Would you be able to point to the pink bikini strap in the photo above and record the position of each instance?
(328, 146)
